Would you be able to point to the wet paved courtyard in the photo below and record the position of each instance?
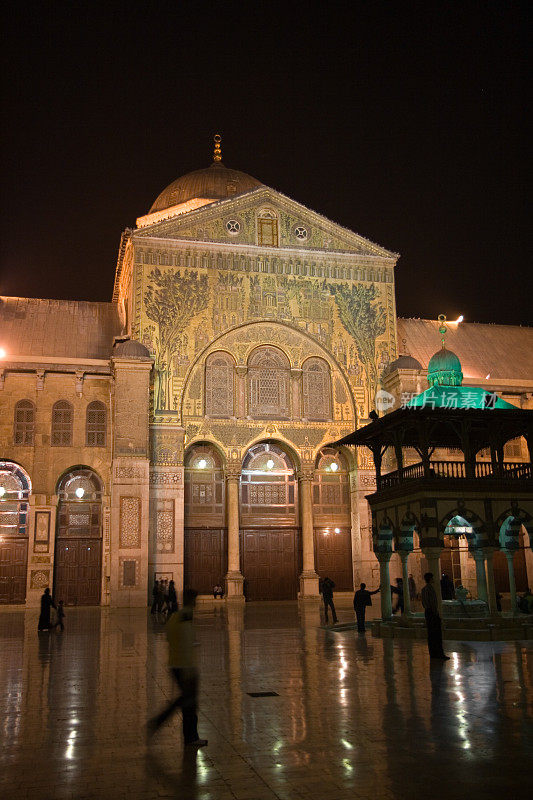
(355, 717)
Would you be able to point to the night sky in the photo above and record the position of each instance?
(403, 121)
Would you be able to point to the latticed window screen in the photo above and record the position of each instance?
(268, 384)
(331, 487)
(268, 483)
(96, 422)
(62, 419)
(204, 485)
(24, 428)
(316, 389)
(219, 386)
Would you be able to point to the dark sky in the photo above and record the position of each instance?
(403, 121)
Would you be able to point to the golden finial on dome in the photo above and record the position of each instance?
(442, 329)
(217, 156)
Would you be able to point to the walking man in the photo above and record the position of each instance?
(428, 596)
(326, 587)
(182, 663)
(361, 599)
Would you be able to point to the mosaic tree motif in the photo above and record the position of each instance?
(171, 300)
(364, 318)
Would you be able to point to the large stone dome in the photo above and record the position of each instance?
(215, 183)
(130, 348)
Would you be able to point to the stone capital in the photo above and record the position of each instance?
(233, 472)
(306, 473)
(383, 558)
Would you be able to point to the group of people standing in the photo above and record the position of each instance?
(164, 597)
(363, 599)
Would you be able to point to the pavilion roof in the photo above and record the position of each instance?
(422, 426)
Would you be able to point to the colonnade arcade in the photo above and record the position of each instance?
(269, 526)
(55, 541)
(515, 535)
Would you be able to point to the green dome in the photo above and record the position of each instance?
(444, 369)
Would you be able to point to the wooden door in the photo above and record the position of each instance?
(13, 570)
(270, 562)
(205, 562)
(333, 556)
(77, 571)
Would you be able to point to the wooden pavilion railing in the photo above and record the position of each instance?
(456, 470)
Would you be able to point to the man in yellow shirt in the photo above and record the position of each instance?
(182, 663)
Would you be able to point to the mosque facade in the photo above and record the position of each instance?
(183, 430)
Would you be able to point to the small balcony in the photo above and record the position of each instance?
(456, 470)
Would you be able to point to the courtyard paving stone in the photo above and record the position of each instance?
(356, 717)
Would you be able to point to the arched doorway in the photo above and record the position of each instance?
(501, 569)
(454, 556)
(270, 534)
(15, 489)
(331, 513)
(205, 535)
(78, 548)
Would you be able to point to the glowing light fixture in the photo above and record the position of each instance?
(270, 463)
(3, 353)
(337, 530)
(326, 532)
(202, 464)
(459, 319)
(2, 491)
(487, 376)
(334, 467)
(79, 492)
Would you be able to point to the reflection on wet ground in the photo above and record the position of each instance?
(356, 717)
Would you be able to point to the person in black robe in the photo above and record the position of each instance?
(172, 598)
(361, 599)
(46, 604)
(447, 590)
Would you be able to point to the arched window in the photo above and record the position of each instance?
(268, 483)
(219, 385)
(204, 484)
(96, 424)
(15, 490)
(268, 384)
(331, 487)
(316, 389)
(267, 228)
(62, 419)
(24, 428)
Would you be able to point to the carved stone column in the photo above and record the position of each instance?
(432, 555)
(234, 578)
(481, 578)
(386, 602)
(240, 392)
(491, 587)
(509, 555)
(308, 578)
(404, 555)
(296, 394)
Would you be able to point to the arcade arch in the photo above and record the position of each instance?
(15, 489)
(332, 518)
(78, 544)
(270, 535)
(205, 533)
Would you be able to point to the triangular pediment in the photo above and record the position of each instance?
(234, 221)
